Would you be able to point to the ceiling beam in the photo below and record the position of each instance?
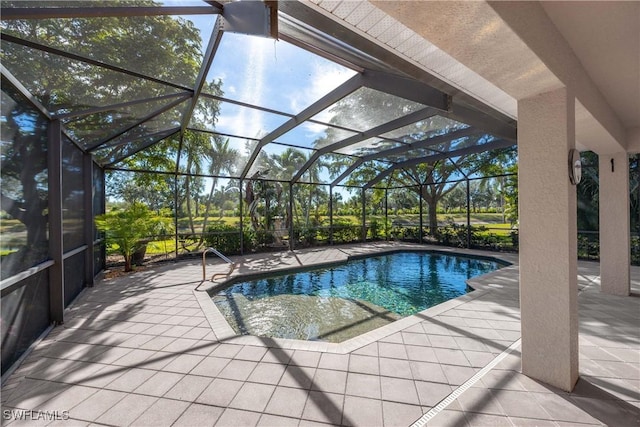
(148, 117)
(11, 13)
(424, 143)
(500, 143)
(212, 47)
(162, 134)
(331, 98)
(73, 56)
(407, 88)
(378, 130)
(102, 109)
(360, 50)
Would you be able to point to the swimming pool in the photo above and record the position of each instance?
(339, 302)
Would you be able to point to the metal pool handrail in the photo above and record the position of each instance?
(224, 258)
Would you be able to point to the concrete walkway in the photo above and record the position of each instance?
(147, 350)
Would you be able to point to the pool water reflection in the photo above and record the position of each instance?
(342, 301)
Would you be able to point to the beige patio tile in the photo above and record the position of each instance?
(268, 420)
(238, 370)
(395, 368)
(399, 390)
(234, 418)
(306, 358)
(251, 352)
(130, 379)
(363, 385)
(188, 388)
(364, 364)
(339, 362)
(400, 414)
(297, 377)
(210, 366)
(183, 363)
(126, 410)
(220, 392)
(287, 402)
(159, 384)
(97, 404)
(199, 415)
(329, 381)
(360, 411)
(267, 373)
(392, 350)
(323, 407)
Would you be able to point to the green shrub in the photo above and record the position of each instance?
(226, 238)
(128, 230)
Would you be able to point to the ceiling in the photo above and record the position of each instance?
(499, 52)
(605, 36)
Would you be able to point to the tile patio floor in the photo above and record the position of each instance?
(142, 351)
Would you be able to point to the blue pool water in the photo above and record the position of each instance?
(339, 302)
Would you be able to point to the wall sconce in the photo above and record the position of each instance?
(575, 167)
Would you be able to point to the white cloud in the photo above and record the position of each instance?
(245, 121)
(325, 76)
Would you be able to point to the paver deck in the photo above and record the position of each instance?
(147, 350)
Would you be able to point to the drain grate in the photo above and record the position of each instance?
(464, 387)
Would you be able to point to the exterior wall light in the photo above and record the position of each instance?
(575, 167)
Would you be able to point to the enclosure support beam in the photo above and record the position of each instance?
(331, 214)
(241, 207)
(292, 245)
(56, 272)
(420, 211)
(89, 268)
(386, 214)
(175, 212)
(499, 143)
(364, 215)
(615, 257)
(548, 239)
(468, 214)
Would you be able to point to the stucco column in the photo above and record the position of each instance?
(548, 239)
(615, 254)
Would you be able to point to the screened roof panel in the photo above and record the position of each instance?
(327, 168)
(424, 129)
(165, 57)
(277, 161)
(92, 128)
(253, 86)
(218, 155)
(470, 141)
(273, 74)
(314, 135)
(365, 109)
(143, 150)
(408, 155)
(366, 172)
(103, 3)
(369, 146)
(63, 85)
(165, 121)
(236, 120)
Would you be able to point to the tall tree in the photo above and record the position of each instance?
(172, 52)
(223, 159)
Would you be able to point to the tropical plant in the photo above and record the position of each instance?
(129, 228)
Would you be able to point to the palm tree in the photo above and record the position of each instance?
(195, 146)
(223, 159)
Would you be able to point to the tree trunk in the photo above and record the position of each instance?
(206, 210)
(433, 216)
(187, 190)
